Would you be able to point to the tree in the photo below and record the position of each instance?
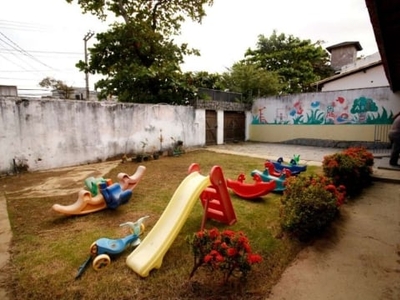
(299, 63)
(207, 80)
(65, 90)
(251, 81)
(138, 57)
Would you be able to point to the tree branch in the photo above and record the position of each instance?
(123, 11)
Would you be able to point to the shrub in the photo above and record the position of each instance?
(309, 205)
(351, 168)
(228, 252)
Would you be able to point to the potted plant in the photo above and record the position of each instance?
(142, 156)
(156, 154)
(177, 147)
(139, 157)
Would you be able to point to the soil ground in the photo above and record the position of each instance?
(358, 259)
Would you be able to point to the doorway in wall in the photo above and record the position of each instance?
(211, 127)
(234, 126)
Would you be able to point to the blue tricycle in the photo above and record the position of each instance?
(103, 248)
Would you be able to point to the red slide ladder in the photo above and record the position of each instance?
(216, 200)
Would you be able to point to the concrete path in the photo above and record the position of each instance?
(308, 155)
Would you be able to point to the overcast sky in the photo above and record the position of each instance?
(45, 37)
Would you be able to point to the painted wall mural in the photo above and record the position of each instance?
(340, 109)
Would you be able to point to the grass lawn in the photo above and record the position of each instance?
(47, 248)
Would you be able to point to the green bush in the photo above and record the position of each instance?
(351, 168)
(309, 205)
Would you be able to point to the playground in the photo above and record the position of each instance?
(49, 247)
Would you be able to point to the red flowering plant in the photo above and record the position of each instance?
(309, 204)
(228, 252)
(351, 168)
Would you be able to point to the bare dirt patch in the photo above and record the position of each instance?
(65, 181)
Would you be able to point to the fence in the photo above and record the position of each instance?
(381, 138)
(215, 95)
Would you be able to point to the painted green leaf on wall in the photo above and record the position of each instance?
(383, 118)
(316, 117)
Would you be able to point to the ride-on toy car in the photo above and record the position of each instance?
(103, 248)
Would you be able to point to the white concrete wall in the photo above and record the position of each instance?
(220, 127)
(249, 118)
(57, 133)
(372, 77)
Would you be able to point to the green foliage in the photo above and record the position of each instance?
(206, 80)
(251, 81)
(309, 205)
(299, 63)
(351, 168)
(58, 85)
(228, 252)
(138, 58)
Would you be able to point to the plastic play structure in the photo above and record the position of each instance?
(250, 191)
(214, 195)
(108, 195)
(129, 182)
(114, 195)
(293, 165)
(267, 177)
(215, 198)
(103, 249)
(272, 171)
(92, 184)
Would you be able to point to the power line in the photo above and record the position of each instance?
(16, 56)
(18, 48)
(4, 24)
(38, 89)
(44, 52)
(13, 62)
(35, 71)
(15, 78)
(35, 27)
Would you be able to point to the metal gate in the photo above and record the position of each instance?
(381, 133)
(234, 126)
(211, 127)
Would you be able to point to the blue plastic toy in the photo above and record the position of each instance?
(267, 177)
(103, 248)
(114, 195)
(293, 165)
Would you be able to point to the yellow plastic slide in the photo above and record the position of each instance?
(150, 252)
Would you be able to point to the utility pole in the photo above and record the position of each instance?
(86, 38)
